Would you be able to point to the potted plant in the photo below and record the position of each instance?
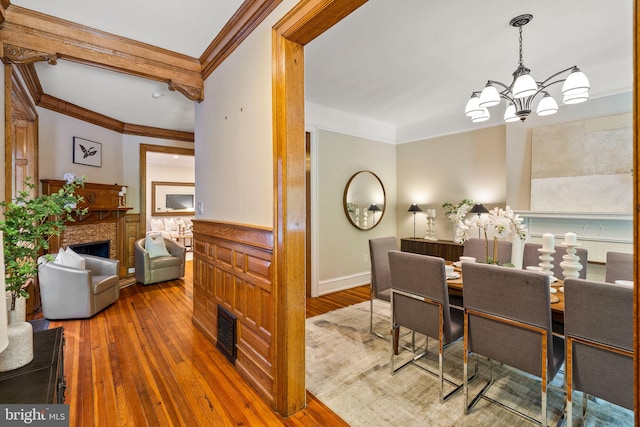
(28, 225)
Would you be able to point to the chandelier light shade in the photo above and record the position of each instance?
(524, 89)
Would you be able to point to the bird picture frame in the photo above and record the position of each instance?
(86, 152)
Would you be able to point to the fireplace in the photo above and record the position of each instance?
(101, 249)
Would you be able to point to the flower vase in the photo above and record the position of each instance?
(19, 352)
(20, 308)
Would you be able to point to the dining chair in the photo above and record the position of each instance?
(477, 248)
(619, 267)
(531, 256)
(380, 277)
(507, 319)
(420, 303)
(598, 328)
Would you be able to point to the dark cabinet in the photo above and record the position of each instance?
(446, 249)
(42, 380)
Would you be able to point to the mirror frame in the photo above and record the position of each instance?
(344, 200)
(158, 189)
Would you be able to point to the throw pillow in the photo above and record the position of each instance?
(157, 225)
(155, 246)
(69, 258)
(170, 225)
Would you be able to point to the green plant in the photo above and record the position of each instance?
(28, 225)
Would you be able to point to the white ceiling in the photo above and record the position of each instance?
(411, 64)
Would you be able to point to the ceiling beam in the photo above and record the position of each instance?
(33, 31)
(28, 73)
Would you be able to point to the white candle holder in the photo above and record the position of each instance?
(571, 266)
(431, 225)
(546, 261)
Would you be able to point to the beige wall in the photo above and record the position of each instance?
(448, 169)
(343, 250)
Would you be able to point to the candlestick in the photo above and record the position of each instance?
(571, 262)
(570, 239)
(548, 242)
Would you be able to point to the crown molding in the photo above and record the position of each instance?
(248, 16)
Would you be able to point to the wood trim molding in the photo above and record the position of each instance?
(259, 237)
(153, 132)
(21, 55)
(636, 211)
(30, 77)
(23, 108)
(42, 33)
(302, 24)
(250, 14)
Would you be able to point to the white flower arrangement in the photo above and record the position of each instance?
(457, 213)
(504, 222)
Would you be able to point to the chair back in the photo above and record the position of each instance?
(619, 267)
(600, 312)
(523, 299)
(477, 248)
(422, 276)
(531, 256)
(379, 255)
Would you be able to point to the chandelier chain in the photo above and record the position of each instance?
(520, 62)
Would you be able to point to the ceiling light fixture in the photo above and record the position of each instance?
(156, 95)
(523, 89)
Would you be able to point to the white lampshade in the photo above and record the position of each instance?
(473, 106)
(510, 114)
(483, 116)
(576, 83)
(524, 86)
(576, 99)
(489, 96)
(4, 335)
(547, 106)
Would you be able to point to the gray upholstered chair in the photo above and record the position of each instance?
(531, 256)
(598, 325)
(619, 267)
(159, 269)
(420, 303)
(380, 276)
(477, 248)
(74, 293)
(508, 319)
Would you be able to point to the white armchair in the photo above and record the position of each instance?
(74, 293)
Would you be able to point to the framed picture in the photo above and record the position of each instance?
(87, 152)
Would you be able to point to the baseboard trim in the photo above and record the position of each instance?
(342, 283)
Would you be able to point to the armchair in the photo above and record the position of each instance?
(74, 293)
(159, 269)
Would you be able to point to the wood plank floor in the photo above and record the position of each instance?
(141, 362)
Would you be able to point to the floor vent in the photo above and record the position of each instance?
(227, 334)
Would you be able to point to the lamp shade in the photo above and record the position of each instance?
(576, 83)
(547, 106)
(510, 114)
(414, 208)
(479, 208)
(473, 106)
(489, 96)
(576, 99)
(374, 208)
(524, 86)
(482, 117)
(4, 334)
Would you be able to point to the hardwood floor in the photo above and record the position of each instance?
(141, 362)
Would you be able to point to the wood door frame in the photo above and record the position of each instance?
(307, 20)
(144, 149)
(303, 23)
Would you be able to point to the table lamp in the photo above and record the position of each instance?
(373, 208)
(414, 208)
(478, 209)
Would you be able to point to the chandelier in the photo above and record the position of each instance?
(522, 91)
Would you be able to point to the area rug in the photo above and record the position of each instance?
(348, 369)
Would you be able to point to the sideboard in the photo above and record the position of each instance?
(41, 381)
(446, 249)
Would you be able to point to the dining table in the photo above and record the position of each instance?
(456, 286)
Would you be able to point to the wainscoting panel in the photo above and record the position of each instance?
(232, 267)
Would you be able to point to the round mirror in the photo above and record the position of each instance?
(364, 200)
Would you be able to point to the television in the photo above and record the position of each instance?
(179, 202)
